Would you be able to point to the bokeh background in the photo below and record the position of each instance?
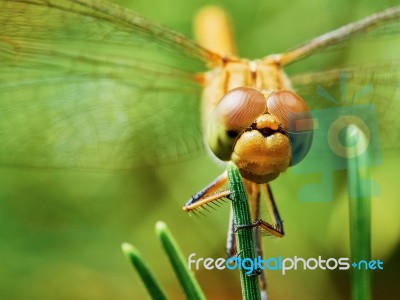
(61, 230)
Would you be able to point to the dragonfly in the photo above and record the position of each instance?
(88, 84)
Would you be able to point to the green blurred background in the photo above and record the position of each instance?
(61, 231)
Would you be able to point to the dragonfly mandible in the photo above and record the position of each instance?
(75, 108)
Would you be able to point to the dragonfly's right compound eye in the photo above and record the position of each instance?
(236, 111)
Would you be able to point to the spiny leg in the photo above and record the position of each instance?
(208, 194)
(276, 228)
(231, 239)
(259, 251)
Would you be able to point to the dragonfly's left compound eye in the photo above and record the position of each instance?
(235, 112)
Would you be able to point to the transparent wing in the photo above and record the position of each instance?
(379, 25)
(88, 84)
(346, 88)
(367, 60)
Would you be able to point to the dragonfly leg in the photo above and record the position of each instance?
(259, 251)
(208, 194)
(276, 228)
(231, 239)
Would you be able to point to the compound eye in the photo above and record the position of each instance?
(235, 112)
(296, 120)
(289, 108)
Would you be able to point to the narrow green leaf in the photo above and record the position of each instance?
(185, 277)
(153, 288)
(360, 213)
(245, 236)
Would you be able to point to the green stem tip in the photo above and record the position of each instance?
(185, 277)
(152, 286)
(360, 212)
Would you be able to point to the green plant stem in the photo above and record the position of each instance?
(185, 277)
(244, 236)
(152, 286)
(360, 215)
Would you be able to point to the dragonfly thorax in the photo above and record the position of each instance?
(263, 75)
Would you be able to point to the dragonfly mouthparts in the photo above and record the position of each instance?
(266, 131)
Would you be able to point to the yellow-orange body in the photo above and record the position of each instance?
(259, 158)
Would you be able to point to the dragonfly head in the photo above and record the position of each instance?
(262, 135)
